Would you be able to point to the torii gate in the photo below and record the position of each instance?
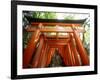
(70, 47)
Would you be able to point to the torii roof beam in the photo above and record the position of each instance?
(54, 30)
(54, 22)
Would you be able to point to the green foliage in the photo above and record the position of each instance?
(69, 17)
(44, 15)
(86, 40)
(87, 34)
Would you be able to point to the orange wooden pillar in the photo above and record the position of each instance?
(44, 57)
(50, 55)
(74, 51)
(41, 55)
(42, 64)
(64, 55)
(30, 48)
(38, 53)
(81, 49)
(68, 51)
(60, 50)
(71, 55)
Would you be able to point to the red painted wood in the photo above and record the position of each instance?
(70, 56)
(54, 24)
(38, 52)
(50, 55)
(41, 55)
(64, 55)
(81, 49)
(57, 44)
(54, 30)
(28, 52)
(60, 50)
(75, 52)
(57, 40)
(44, 57)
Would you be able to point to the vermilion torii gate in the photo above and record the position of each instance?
(70, 46)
